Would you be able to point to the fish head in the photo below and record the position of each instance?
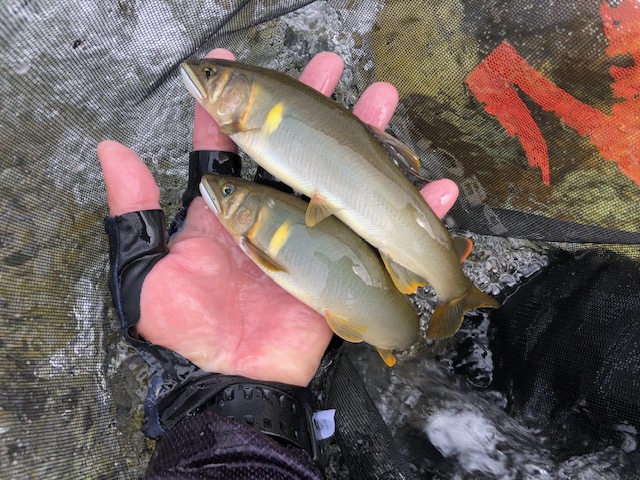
(220, 88)
(232, 200)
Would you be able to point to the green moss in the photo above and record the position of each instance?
(426, 47)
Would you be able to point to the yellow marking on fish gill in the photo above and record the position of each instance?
(279, 238)
(274, 117)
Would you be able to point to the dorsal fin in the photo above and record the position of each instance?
(405, 158)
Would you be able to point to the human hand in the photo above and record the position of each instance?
(206, 300)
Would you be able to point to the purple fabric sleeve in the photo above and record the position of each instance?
(209, 446)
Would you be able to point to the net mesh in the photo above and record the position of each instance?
(532, 108)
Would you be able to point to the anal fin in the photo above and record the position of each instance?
(349, 331)
(387, 356)
(405, 280)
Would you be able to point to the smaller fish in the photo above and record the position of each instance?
(327, 267)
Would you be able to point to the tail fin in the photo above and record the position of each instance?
(447, 318)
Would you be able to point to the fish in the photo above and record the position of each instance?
(327, 267)
(350, 171)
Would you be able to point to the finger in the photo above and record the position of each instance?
(377, 104)
(206, 132)
(376, 107)
(323, 72)
(130, 185)
(440, 195)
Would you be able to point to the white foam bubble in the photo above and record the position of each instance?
(470, 438)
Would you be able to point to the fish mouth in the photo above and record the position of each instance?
(190, 80)
(210, 198)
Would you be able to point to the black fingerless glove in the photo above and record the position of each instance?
(178, 388)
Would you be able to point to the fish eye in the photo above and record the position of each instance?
(228, 189)
(209, 72)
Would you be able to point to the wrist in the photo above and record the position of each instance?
(280, 411)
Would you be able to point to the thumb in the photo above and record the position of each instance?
(130, 185)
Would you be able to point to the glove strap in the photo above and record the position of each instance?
(273, 411)
(277, 409)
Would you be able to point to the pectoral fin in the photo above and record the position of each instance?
(231, 128)
(260, 257)
(462, 247)
(405, 280)
(318, 210)
(405, 158)
(349, 331)
(387, 356)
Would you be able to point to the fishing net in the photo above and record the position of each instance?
(531, 107)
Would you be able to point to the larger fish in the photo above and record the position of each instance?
(327, 267)
(347, 172)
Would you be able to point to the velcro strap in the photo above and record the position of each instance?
(137, 242)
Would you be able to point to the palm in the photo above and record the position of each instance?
(224, 313)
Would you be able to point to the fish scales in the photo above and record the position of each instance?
(328, 267)
(322, 150)
(339, 164)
